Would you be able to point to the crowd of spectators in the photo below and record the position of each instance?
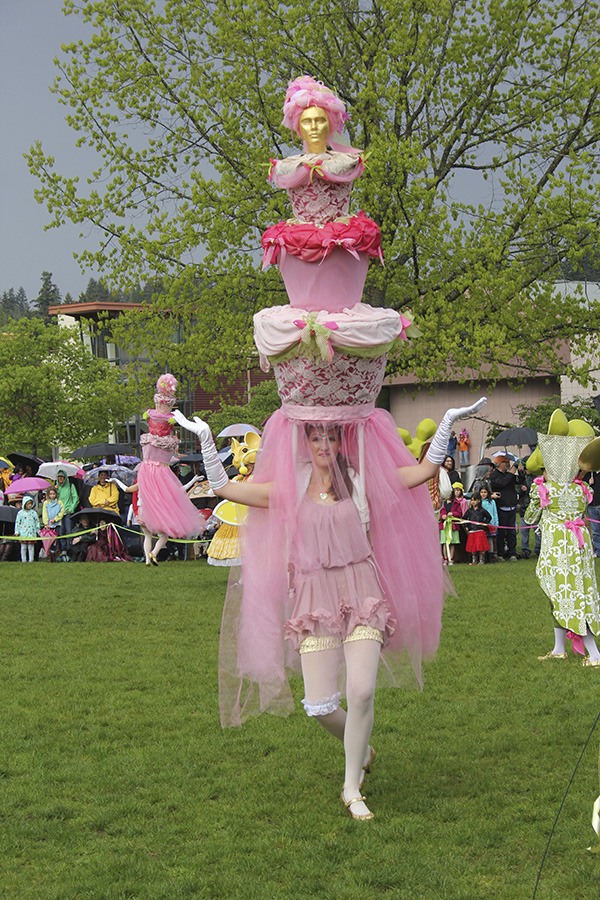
(503, 485)
(71, 520)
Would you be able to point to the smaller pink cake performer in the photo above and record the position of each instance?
(164, 507)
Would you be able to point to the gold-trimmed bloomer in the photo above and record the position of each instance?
(314, 642)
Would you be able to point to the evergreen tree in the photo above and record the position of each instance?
(49, 295)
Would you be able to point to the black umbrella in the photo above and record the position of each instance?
(25, 459)
(191, 458)
(102, 449)
(8, 513)
(95, 513)
(515, 437)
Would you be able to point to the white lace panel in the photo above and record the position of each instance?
(322, 707)
(321, 201)
(346, 381)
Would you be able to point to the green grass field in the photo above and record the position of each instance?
(117, 780)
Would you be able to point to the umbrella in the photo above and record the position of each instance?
(5, 463)
(238, 430)
(500, 453)
(48, 536)
(95, 513)
(102, 449)
(122, 459)
(8, 513)
(24, 485)
(120, 472)
(515, 437)
(191, 458)
(51, 469)
(25, 459)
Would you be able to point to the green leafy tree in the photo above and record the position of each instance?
(264, 400)
(53, 391)
(538, 416)
(482, 122)
(48, 296)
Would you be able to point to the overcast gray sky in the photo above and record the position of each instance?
(31, 32)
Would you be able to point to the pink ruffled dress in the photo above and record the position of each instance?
(335, 582)
(164, 506)
(372, 558)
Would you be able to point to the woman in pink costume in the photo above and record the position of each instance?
(164, 507)
(341, 571)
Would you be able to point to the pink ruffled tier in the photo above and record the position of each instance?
(335, 582)
(313, 243)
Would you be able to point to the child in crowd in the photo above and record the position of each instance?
(490, 506)
(477, 518)
(27, 527)
(452, 510)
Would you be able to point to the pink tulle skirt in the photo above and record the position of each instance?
(259, 610)
(164, 506)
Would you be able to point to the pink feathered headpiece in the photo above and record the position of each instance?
(304, 92)
(165, 389)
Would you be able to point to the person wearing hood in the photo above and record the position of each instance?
(68, 496)
(27, 527)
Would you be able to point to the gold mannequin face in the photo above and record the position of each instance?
(314, 129)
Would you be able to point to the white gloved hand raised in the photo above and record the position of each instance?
(118, 482)
(195, 425)
(215, 472)
(439, 443)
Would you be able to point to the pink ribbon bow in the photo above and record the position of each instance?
(576, 526)
(331, 243)
(275, 248)
(543, 491)
(576, 643)
(315, 334)
(586, 491)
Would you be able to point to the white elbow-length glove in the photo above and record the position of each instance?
(215, 472)
(438, 449)
(118, 483)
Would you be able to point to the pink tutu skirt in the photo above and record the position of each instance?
(164, 506)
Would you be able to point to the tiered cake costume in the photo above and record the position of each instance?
(164, 507)
(565, 567)
(314, 573)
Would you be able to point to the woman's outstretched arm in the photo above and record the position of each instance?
(245, 492)
(431, 462)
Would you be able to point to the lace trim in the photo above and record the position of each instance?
(322, 707)
(346, 381)
(365, 633)
(314, 642)
(161, 442)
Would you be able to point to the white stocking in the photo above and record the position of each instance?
(162, 540)
(559, 640)
(589, 642)
(147, 543)
(320, 674)
(362, 661)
